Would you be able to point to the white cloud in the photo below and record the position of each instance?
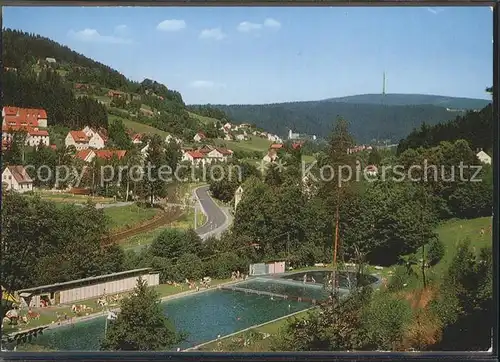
(215, 33)
(171, 25)
(247, 26)
(434, 11)
(205, 84)
(272, 23)
(93, 36)
(121, 30)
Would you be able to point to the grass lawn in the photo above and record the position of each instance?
(75, 199)
(253, 144)
(454, 231)
(125, 217)
(308, 159)
(203, 119)
(138, 127)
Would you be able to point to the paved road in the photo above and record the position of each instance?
(218, 219)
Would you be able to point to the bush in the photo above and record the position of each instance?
(386, 319)
(435, 252)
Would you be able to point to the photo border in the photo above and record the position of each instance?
(305, 356)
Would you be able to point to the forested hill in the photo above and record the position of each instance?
(456, 103)
(367, 121)
(78, 91)
(474, 127)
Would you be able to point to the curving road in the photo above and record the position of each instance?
(218, 219)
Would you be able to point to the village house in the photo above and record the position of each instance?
(276, 146)
(85, 155)
(115, 94)
(50, 60)
(270, 157)
(86, 138)
(359, 149)
(200, 136)
(16, 178)
(241, 137)
(228, 137)
(137, 139)
(78, 139)
(237, 196)
(274, 138)
(171, 138)
(89, 155)
(194, 157)
(371, 170)
(33, 135)
(24, 117)
(219, 155)
(36, 136)
(484, 157)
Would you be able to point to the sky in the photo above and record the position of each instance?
(254, 55)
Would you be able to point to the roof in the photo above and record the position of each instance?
(108, 154)
(38, 132)
(482, 153)
(201, 134)
(20, 175)
(224, 151)
(53, 147)
(79, 136)
(195, 154)
(277, 145)
(25, 113)
(90, 279)
(83, 154)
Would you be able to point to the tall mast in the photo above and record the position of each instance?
(336, 242)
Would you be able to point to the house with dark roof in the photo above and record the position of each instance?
(16, 178)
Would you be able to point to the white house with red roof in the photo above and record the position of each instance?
(89, 155)
(16, 178)
(24, 117)
(78, 139)
(137, 138)
(171, 138)
(36, 136)
(196, 158)
(270, 157)
(97, 139)
(219, 155)
(200, 136)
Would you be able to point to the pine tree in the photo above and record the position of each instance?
(141, 325)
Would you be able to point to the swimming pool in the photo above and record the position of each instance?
(203, 316)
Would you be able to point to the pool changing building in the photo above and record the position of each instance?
(88, 288)
(275, 267)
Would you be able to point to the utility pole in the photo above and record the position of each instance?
(195, 216)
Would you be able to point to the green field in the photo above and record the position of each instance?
(125, 217)
(203, 119)
(454, 231)
(138, 127)
(253, 144)
(73, 199)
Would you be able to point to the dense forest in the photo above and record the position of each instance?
(20, 49)
(47, 90)
(474, 127)
(367, 121)
(395, 99)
